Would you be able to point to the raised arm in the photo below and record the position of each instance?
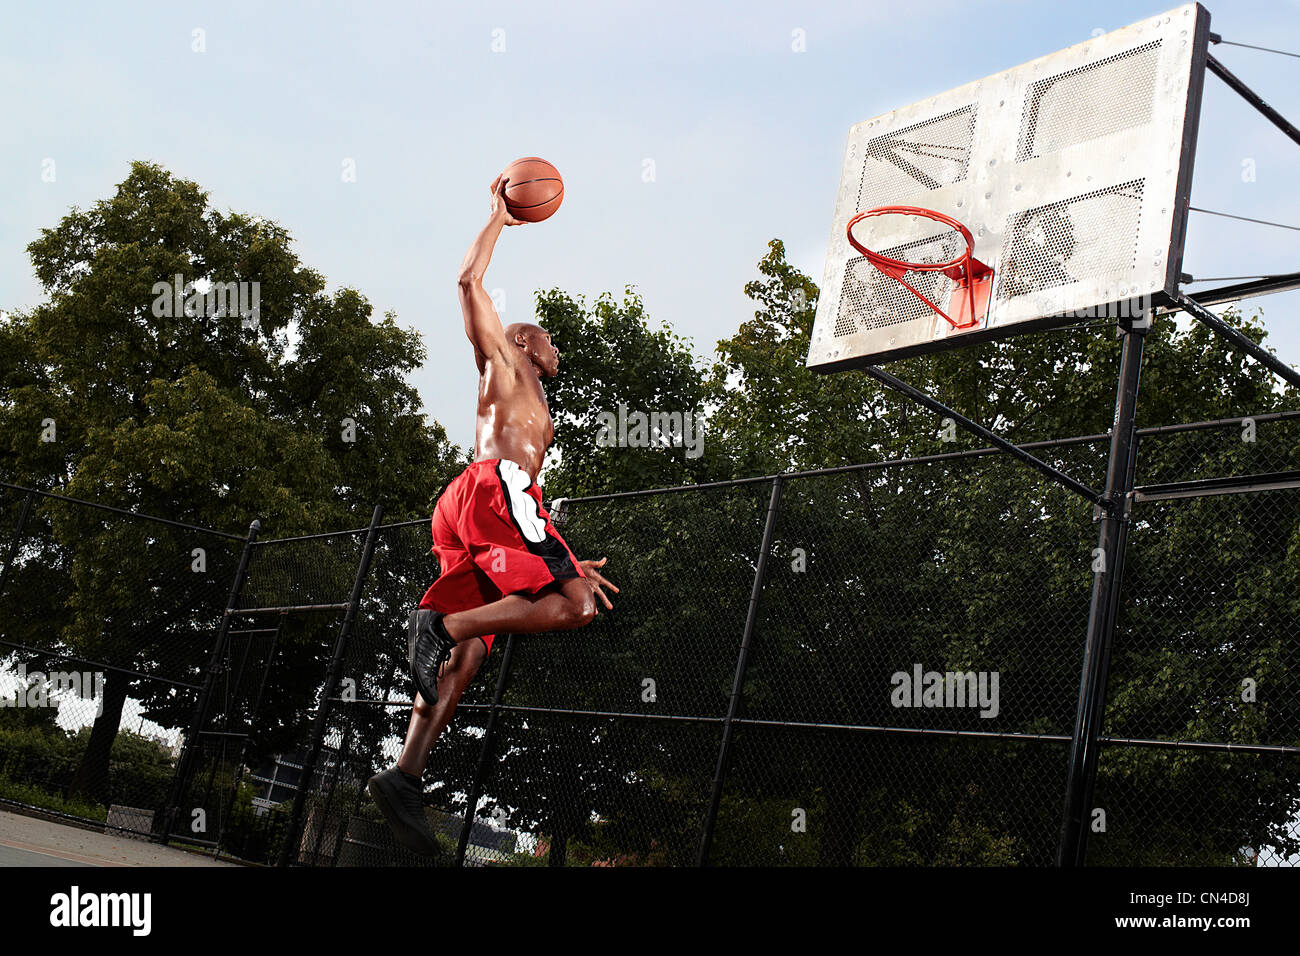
(482, 324)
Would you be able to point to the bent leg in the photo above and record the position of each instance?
(559, 607)
(428, 722)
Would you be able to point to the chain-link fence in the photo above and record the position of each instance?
(1198, 765)
(108, 622)
(877, 664)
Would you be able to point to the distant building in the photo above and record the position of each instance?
(487, 846)
(277, 782)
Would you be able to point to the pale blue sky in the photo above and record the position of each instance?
(745, 134)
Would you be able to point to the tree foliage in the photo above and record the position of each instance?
(296, 414)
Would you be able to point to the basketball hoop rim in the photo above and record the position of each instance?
(965, 270)
(878, 260)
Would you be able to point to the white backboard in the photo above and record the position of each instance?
(1072, 172)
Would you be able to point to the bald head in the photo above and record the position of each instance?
(535, 342)
(528, 328)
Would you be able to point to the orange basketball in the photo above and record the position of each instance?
(535, 190)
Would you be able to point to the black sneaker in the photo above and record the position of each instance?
(429, 648)
(400, 797)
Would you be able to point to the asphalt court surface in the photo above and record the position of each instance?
(34, 842)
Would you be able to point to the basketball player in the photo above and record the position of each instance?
(505, 569)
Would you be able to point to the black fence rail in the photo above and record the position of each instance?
(871, 665)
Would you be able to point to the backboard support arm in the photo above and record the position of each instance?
(921, 398)
(1198, 307)
(1250, 96)
(1257, 352)
(1282, 282)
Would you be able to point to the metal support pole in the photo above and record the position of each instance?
(1253, 98)
(476, 785)
(293, 834)
(1257, 352)
(1229, 485)
(185, 764)
(1282, 282)
(742, 663)
(918, 396)
(1104, 609)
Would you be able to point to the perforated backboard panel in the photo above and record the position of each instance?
(1072, 172)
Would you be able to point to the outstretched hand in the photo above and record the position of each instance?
(597, 581)
(499, 209)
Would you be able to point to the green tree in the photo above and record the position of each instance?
(298, 415)
(612, 357)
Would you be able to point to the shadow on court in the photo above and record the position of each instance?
(30, 841)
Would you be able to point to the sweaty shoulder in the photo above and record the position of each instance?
(502, 376)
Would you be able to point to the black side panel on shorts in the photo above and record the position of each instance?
(550, 549)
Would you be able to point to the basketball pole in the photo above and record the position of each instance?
(1103, 612)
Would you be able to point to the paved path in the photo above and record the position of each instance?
(30, 841)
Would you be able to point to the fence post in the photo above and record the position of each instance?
(476, 785)
(1104, 610)
(185, 764)
(13, 541)
(742, 662)
(293, 834)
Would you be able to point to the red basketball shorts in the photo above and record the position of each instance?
(492, 537)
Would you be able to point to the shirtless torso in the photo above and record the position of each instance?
(513, 419)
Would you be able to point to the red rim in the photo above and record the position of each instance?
(960, 269)
(878, 260)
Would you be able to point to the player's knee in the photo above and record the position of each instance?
(466, 658)
(477, 651)
(580, 611)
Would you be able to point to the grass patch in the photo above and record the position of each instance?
(36, 797)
